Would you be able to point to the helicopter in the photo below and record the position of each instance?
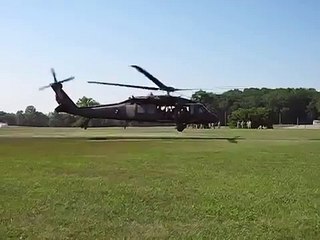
(151, 108)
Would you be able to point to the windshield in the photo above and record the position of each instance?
(202, 109)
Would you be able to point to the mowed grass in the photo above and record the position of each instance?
(261, 185)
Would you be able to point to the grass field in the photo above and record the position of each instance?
(143, 183)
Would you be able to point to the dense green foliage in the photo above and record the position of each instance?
(258, 116)
(261, 106)
(265, 186)
(31, 117)
(284, 106)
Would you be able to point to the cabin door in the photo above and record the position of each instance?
(131, 110)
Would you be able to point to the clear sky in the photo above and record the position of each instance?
(185, 43)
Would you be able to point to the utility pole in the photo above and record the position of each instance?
(279, 117)
(225, 118)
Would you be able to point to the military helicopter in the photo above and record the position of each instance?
(152, 108)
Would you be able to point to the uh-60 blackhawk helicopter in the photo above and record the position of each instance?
(152, 108)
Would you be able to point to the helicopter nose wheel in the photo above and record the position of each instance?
(85, 124)
(179, 118)
(181, 126)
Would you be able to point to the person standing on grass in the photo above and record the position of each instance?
(249, 124)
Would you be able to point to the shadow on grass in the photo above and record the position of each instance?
(231, 140)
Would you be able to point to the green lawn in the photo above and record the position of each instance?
(143, 183)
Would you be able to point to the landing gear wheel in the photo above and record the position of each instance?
(181, 127)
(85, 124)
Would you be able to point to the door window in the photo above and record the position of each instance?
(140, 109)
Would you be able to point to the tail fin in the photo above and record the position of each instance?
(65, 103)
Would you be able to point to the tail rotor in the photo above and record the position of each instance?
(55, 80)
(54, 75)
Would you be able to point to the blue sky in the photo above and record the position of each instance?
(188, 44)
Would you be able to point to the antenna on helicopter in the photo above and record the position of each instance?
(55, 81)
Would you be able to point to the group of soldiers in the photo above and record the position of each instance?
(205, 126)
(240, 124)
(243, 124)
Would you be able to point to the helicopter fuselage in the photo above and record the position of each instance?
(158, 108)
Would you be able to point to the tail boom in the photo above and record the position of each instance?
(64, 101)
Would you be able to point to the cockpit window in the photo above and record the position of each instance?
(140, 109)
(202, 109)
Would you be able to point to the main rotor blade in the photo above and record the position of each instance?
(152, 78)
(124, 85)
(54, 75)
(186, 89)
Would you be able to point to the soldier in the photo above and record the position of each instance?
(249, 124)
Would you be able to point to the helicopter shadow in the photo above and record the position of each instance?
(145, 138)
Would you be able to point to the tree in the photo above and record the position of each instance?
(41, 120)
(34, 118)
(29, 116)
(20, 118)
(86, 102)
(257, 116)
(8, 118)
(61, 119)
(30, 110)
(317, 106)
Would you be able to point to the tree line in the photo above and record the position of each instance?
(261, 106)
(31, 117)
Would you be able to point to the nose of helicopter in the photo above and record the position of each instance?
(213, 118)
